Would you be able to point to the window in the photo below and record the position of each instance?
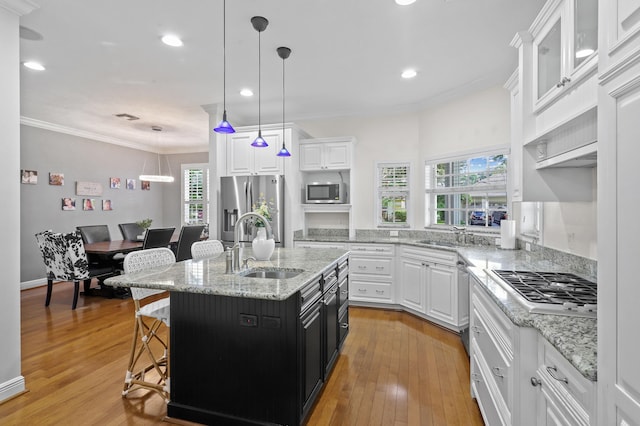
(195, 194)
(393, 194)
(470, 191)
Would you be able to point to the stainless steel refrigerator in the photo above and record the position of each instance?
(239, 195)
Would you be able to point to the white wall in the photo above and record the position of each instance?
(478, 120)
(11, 381)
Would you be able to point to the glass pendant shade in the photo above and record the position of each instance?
(224, 126)
(284, 152)
(259, 142)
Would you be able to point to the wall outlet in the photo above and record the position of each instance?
(527, 246)
(393, 233)
(498, 241)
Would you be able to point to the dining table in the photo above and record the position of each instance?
(119, 246)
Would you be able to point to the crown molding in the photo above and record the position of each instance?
(19, 7)
(32, 122)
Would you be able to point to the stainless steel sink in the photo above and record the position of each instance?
(437, 243)
(274, 274)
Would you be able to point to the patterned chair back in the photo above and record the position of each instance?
(204, 249)
(64, 256)
(140, 260)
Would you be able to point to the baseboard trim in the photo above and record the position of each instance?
(12, 388)
(33, 284)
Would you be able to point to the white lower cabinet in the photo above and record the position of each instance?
(429, 285)
(565, 397)
(503, 358)
(371, 272)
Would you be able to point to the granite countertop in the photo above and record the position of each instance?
(208, 276)
(574, 337)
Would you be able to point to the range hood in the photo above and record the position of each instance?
(571, 144)
(585, 156)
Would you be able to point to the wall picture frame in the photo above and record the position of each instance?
(145, 185)
(114, 183)
(106, 205)
(68, 204)
(29, 177)
(88, 204)
(131, 184)
(56, 179)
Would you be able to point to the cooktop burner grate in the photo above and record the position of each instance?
(551, 287)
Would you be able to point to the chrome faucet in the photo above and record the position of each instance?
(236, 236)
(460, 231)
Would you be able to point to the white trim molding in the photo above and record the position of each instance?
(33, 284)
(11, 388)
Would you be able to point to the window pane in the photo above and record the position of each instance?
(193, 184)
(393, 209)
(393, 177)
(194, 213)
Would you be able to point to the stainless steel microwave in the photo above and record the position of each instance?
(325, 192)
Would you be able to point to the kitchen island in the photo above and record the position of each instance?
(251, 350)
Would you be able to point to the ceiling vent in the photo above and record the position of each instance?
(128, 117)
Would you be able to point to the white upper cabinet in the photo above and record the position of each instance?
(325, 154)
(565, 43)
(244, 159)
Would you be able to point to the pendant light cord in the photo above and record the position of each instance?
(259, 88)
(224, 55)
(283, 102)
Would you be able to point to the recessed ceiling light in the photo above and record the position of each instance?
(405, 2)
(34, 65)
(246, 92)
(172, 40)
(410, 73)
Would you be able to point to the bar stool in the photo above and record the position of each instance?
(204, 249)
(144, 359)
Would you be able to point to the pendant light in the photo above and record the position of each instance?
(259, 24)
(284, 53)
(159, 177)
(224, 126)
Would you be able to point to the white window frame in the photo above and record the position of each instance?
(381, 192)
(205, 188)
(431, 189)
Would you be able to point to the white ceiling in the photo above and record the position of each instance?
(105, 57)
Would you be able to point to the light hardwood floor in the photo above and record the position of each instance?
(395, 369)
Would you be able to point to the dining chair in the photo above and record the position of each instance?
(149, 351)
(188, 236)
(96, 234)
(131, 231)
(65, 260)
(157, 237)
(205, 249)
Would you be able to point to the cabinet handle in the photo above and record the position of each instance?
(379, 249)
(425, 264)
(553, 372)
(476, 329)
(379, 268)
(564, 81)
(380, 291)
(475, 377)
(344, 292)
(535, 381)
(334, 291)
(496, 372)
(362, 267)
(362, 290)
(344, 325)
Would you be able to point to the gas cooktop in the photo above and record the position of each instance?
(551, 292)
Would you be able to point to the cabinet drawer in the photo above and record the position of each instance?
(382, 266)
(496, 322)
(359, 290)
(565, 383)
(373, 249)
(479, 387)
(321, 245)
(432, 256)
(498, 365)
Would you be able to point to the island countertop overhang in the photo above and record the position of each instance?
(208, 276)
